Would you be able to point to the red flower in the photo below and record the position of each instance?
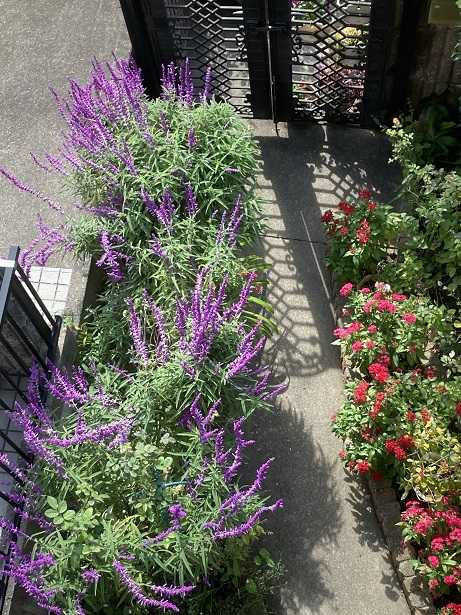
(409, 318)
(327, 216)
(346, 207)
(433, 561)
(343, 230)
(363, 232)
(357, 346)
(458, 408)
(430, 373)
(372, 206)
(342, 454)
(367, 307)
(405, 442)
(365, 290)
(372, 329)
(360, 393)
(387, 306)
(369, 344)
(362, 466)
(364, 194)
(379, 372)
(411, 416)
(398, 297)
(450, 579)
(346, 290)
(384, 359)
(393, 447)
(438, 543)
(425, 415)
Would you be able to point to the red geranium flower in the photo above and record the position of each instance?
(363, 232)
(379, 372)
(327, 216)
(346, 207)
(346, 290)
(364, 194)
(409, 318)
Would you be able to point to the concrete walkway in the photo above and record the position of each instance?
(327, 535)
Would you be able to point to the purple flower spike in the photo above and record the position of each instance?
(24, 188)
(112, 260)
(207, 87)
(191, 200)
(156, 247)
(137, 593)
(191, 139)
(244, 528)
(137, 333)
(163, 347)
(91, 575)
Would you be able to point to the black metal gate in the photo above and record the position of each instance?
(279, 59)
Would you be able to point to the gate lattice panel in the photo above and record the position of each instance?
(329, 51)
(209, 34)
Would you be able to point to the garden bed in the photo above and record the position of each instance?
(400, 421)
(135, 500)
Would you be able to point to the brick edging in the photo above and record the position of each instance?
(387, 510)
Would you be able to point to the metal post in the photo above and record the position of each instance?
(254, 18)
(382, 27)
(281, 58)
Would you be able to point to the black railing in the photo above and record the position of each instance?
(28, 336)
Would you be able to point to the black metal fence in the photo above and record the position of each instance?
(28, 336)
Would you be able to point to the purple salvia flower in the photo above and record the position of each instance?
(246, 356)
(234, 222)
(163, 347)
(238, 499)
(56, 164)
(275, 391)
(137, 334)
(240, 445)
(191, 139)
(63, 387)
(237, 308)
(171, 591)
(164, 124)
(150, 204)
(188, 370)
(261, 385)
(111, 260)
(156, 247)
(78, 607)
(207, 85)
(186, 86)
(245, 527)
(34, 398)
(191, 200)
(91, 575)
(118, 430)
(222, 228)
(39, 164)
(177, 514)
(221, 455)
(137, 592)
(24, 188)
(231, 170)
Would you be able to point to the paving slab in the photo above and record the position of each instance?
(327, 535)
